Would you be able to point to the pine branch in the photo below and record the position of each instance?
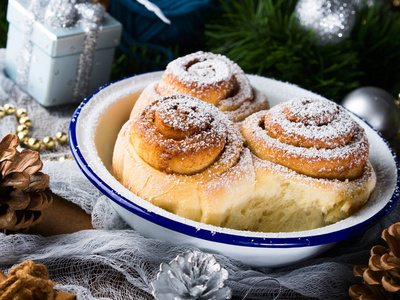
(3, 24)
(375, 38)
(263, 38)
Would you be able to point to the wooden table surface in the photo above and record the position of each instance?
(62, 217)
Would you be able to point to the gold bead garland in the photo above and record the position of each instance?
(9, 109)
(21, 112)
(23, 130)
(48, 142)
(61, 137)
(25, 121)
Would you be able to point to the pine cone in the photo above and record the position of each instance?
(192, 275)
(30, 281)
(24, 189)
(381, 278)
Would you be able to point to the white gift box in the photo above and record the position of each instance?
(52, 69)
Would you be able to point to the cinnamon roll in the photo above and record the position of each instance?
(185, 156)
(212, 78)
(314, 137)
(301, 165)
(311, 164)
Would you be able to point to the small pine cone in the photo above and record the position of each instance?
(192, 275)
(30, 281)
(381, 278)
(24, 191)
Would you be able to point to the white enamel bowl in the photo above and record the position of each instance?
(93, 131)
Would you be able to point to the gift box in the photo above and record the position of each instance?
(60, 52)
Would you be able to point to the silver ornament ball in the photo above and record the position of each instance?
(331, 20)
(377, 107)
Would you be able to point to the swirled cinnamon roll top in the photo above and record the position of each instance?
(181, 134)
(212, 78)
(314, 137)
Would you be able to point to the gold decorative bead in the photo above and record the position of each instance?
(9, 109)
(61, 137)
(25, 121)
(22, 136)
(21, 112)
(48, 142)
(65, 157)
(23, 128)
(2, 112)
(34, 144)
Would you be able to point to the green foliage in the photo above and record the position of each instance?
(376, 39)
(3, 24)
(141, 58)
(137, 60)
(263, 38)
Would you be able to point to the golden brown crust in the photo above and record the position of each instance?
(210, 77)
(209, 92)
(322, 141)
(201, 191)
(181, 134)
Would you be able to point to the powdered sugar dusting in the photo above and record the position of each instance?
(183, 126)
(182, 116)
(343, 157)
(320, 122)
(349, 185)
(323, 121)
(311, 111)
(201, 69)
(242, 94)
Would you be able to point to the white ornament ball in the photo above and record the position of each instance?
(331, 20)
(377, 107)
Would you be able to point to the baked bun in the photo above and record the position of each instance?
(301, 165)
(314, 137)
(185, 156)
(311, 165)
(210, 77)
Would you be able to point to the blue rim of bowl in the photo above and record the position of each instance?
(222, 237)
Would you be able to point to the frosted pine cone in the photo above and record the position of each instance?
(192, 275)
(381, 278)
(24, 189)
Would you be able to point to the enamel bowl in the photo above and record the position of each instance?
(93, 132)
